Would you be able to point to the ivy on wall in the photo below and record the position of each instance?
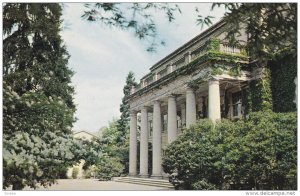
(283, 72)
(213, 45)
(276, 90)
(260, 93)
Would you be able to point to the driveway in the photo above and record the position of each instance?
(95, 185)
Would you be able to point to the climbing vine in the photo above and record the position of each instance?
(260, 92)
(283, 72)
(213, 45)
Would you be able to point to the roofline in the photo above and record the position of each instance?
(219, 24)
(86, 132)
(145, 76)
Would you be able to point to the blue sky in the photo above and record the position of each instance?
(102, 57)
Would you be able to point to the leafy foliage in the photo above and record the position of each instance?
(283, 73)
(108, 167)
(135, 17)
(123, 122)
(111, 151)
(90, 152)
(259, 153)
(38, 108)
(203, 20)
(260, 92)
(272, 27)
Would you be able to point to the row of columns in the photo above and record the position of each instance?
(188, 115)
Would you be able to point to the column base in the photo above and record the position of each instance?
(156, 177)
(144, 176)
(132, 175)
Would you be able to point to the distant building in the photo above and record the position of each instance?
(84, 135)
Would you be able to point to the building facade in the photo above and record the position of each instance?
(204, 78)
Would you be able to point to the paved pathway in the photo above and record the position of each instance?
(95, 185)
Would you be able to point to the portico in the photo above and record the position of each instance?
(183, 107)
(187, 85)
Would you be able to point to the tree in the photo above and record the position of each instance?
(123, 122)
(271, 27)
(112, 154)
(38, 108)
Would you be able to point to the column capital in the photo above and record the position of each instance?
(190, 90)
(214, 80)
(156, 101)
(171, 96)
(132, 112)
(145, 107)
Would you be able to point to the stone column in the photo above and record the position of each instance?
(214, 112)
(156, 141)
(133, 145)
(172, 119)
(190, 107)
(144, 144)
(183, 115)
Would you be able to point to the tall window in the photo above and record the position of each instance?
(237, 104)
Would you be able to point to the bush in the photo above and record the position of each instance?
(257, 153)
(203, 185)
(195, 155)
(75, 172)
(108, 167)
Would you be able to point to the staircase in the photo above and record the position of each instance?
(145, 181)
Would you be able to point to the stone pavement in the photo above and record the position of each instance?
(95, 185)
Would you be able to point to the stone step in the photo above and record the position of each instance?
(145, 181)
(148, 184)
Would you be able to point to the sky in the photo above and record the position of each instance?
(102, 57)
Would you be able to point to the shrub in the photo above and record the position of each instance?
(203, 185)
(195, 155)
(108, 167)
(257, 153)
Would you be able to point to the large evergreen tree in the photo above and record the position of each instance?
(123, 122)
(38, 108)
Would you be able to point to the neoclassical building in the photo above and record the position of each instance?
(204, 78)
